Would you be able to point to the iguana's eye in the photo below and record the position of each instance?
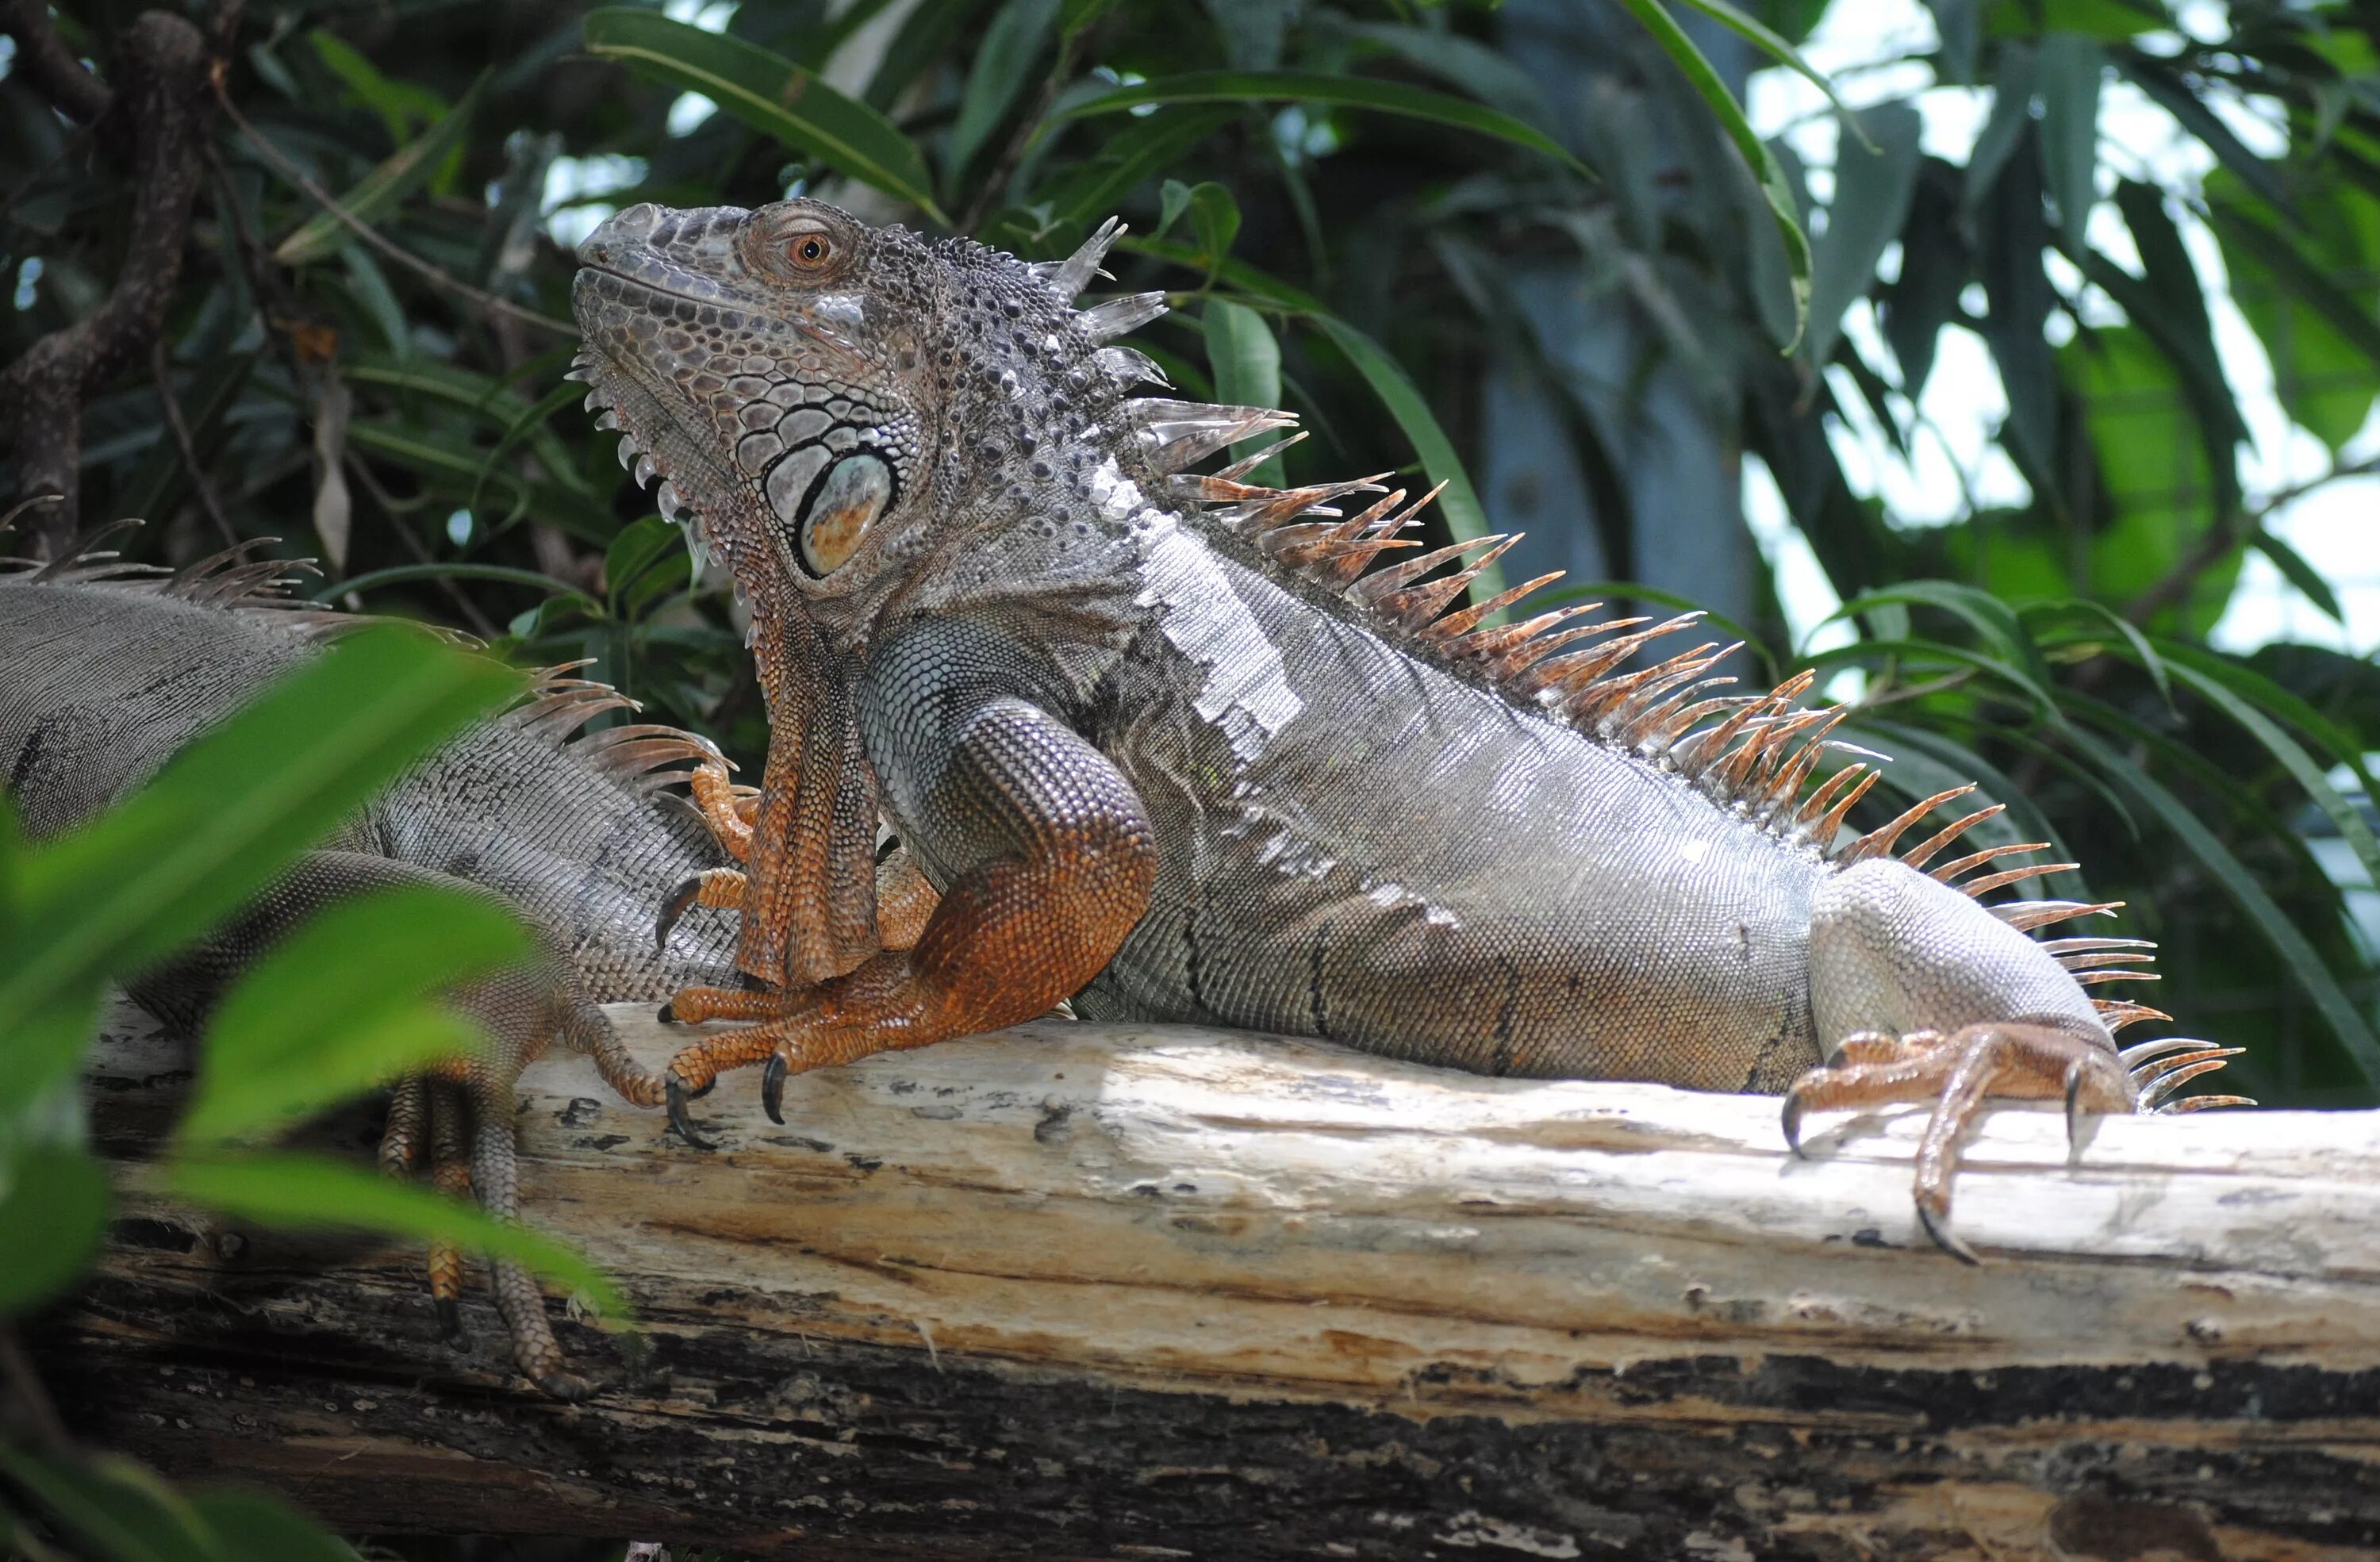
(809, 250)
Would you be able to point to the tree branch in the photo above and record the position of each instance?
(159, 100)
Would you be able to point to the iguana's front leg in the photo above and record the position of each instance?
(1045, 852)
(1924, 996)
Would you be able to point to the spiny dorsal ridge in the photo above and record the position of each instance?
(1070, 277)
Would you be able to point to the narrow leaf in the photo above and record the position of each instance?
(1460, 502)
(310, 1192)
(1003, 63)
(2069, 66)
(1095, 187)
(1319, 86)
(2301, 575)
(1762, 38)
(2343, 815)
(2296, 951)
(1773, 187)
(770, 93)
(323, 235)
(1872, 193)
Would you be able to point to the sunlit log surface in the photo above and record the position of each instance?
(1104, 1291)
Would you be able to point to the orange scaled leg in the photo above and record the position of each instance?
(1005, 944)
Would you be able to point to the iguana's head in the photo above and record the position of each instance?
(847, 408)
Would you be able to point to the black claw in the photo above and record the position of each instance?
(450, 1317)
(1793, 1126)
(772, 1088)
(1939, 1227)
(567, 1386)
(2074, 1110)
(666, 1014)
(672, 909)
(677, 1099)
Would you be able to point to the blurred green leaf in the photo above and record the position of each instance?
(300, 1193)
(346, 1002)
(1319, 86)
(770, 93)
(1872, 191)
(252, 1527)
(1761, 36)
(1215, 218)
(2069, 66)
(2300, 574)
(1095, 187)
(404, 572)
(111, 1509)
(2304, 962)
(1459, 502)
(323, 235)
(53, 1203)
(1020, 32)
(236, 806)
(1773, 187)
(1247, 361)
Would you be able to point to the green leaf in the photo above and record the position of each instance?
(2173, 93)
(2322, 340)
(2297, 953)
(2124, 630)
(772, 94)
(114, 1510)
(1760, 36)
(46, 1039)
(1247, 361)
(1773, 187)
(1215, 218)
(338, 1007)
(2069, 66)
(1095, 187)
(1935, 267)
(398, 103)
(54, 1207)
(1319, 86)
(252, 1527)
(1459, 502)
(2343, 815)
(323, 235)
(1019, 34)
(1173, 200)
(238, 806)
(1989, 617)
(2301, 575)
(2343, 746)
(1872, 191)
(640, 546)
(310, 1192)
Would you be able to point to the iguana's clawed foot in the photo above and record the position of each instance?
(678, 1097)
(1959, 1072)
(720, 887)
(727, 809)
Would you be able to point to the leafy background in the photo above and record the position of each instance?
(1533, 252)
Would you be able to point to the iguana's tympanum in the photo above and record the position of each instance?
(1169, 744)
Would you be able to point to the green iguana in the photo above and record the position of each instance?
(1165, 742)
(111, 667)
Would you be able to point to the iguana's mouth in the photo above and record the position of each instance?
(648, 288)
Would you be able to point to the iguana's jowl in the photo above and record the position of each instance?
(1171, 744)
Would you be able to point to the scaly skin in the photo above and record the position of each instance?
(110, 673)
(1164, 747)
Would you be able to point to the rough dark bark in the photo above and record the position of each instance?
(1082, 1293)
(157, 107)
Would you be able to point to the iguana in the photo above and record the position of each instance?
(112, 666)
(1165, 744)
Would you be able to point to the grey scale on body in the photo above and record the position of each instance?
(981, 562)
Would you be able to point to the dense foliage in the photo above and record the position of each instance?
(362, 352)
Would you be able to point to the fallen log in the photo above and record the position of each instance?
(1121, 1291)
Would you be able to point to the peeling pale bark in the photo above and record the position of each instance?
(1109, 1292)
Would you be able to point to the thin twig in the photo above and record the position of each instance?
(161, 372)
(436, 276)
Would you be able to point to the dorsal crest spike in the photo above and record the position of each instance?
(1119, 317)
(1070, 277)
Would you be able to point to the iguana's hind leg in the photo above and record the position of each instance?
(904, 899)
(1921, 995)
(1053, 861)
(450, 1171)
(495, 1173)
